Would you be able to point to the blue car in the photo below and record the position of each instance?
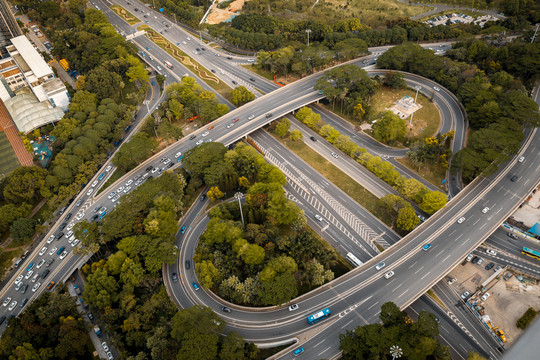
(102, 215)
(153, 83)
(298, 351)
(426, 247)
(183, 229)
(180, 158)
(147, 48)
(101, 176)
(60, 250)
(30, 266)
(195, 286)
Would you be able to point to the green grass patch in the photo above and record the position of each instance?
(125, 15)
(434, 174)
(8, 159)
(340, 179)
(204, 74)
(117, 174)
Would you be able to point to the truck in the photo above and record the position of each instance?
(97, 330)
(168, 64)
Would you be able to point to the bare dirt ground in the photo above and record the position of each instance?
(217, 16)
(508, 301)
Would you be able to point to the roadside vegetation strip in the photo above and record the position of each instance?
(436, 298)
(124, 14)
(348, 185)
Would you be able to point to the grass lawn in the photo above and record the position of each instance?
(8, 159)
(339, 178)
(213, 81)
(124, 14)
(117, 174)
(434, 174)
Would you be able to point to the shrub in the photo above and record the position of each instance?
(527, 318)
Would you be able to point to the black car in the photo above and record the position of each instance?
(229, 58)
(90, 316)
(234, 82)
(226, 309)
(62, 226)
(174, 277)
(475, 259)
(23, 256)
(192, 137)
(170, 165)
(203, 197)
(252, 79)
(313, 138)
(60, 235)
(489, 266)
(68, 216)
(198, 49)
(45, 273)
(188, 265)
(149, 168)
(24, 288)
(94, 218)
(2, 319)
(203, 49)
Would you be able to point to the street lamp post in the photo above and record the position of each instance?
(238, 196)
(308, 31)
(415, 97)
(396, 352)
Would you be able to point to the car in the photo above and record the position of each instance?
(513, 236)
(29, 274)
(18, 286)
(101, 176)
(127, 189)
(68, 216)
(491, 252)
(80, 216)
(49, 262)
(225, 309)
(293, 307)
(166, 161)
(174, 277)
(251, 117)
(461, 220)
(187, 264)
(318, 217)
(42, 251)
(105, 347)
(129, 182)
(2, 319)
(6, 301)
(192, 137)
(59, 235)
(108, 168)
(110, 355)
(426, 247)
(389, 274)
(469, 257)
(195, 286)
(23, 302)
(111, 195)
(497, 268)
(50, 239)
(514, 178)
(69, 234)
(177, 155)
(94, 183)
(230, 126)
(199, 142)
(480, 261)
(150, 168)
(35, 278)
(94, 218)
(485, 296)
(421, 217)
(63, 255)
(30, 266)
(313, 138)
(209, 141)
(45, 273)
(89, 192)
(485, 210)
(451, 280)
(18, 279)
(79, 202)
(379, 266)
(211, 127)
(154, 170)
(121, 188)
(335, 155)
(521, 159)
(269, 115)
(490, 266)
(171, 164)
(298, 351)
(436, 88)
(36, 286)
(90, 316)
(205, 133)
(75, 242)
(183, 42)
(235, 120)
(62, 226)
(183, 229)
(12, 305)
(465, 295)
(475, 259)
(103, 210)
(71, 239)
(40, 263)
(234, 82)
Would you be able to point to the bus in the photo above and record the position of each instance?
(354, 260)
(318, 316)
(168, 64)
(530, 252)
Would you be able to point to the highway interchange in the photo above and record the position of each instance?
(361, 292)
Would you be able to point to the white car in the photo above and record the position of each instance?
(108, 168)
(436, 88)
(251, 117)
(166, 161)
(318, 217)
(36, 276)
(63, 255)
(199, 142)
(69, 234)
(12, 306)
(465, 295)
(485, 210)
(129, 182)
(177, 155)
(43, 250)
(70, 226)
(75, 242)
(380, 266)
(183, 42)
(110, 355)
(105, 347)
(71, 239)
(389, 274)
(111, 195)
(335, 155)
(188, 38)
(205, 133)
(40, 263)
(89, 192)
(127, 189)
(451, 280)
(29, 274)
(80, 216)
(6, 302)
(521, 159)
(485, 296)
(94, 183)
(34, 289)
(209, 141)
(53, 250)
(469, 257)
(461, 219)
(491, 252)
(50, 239)
(293, 307)
(18, 279)
(230, 126)
(122, 188)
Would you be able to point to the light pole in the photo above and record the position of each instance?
(415, 97)
(238, 196)
(308, 31)
(396, 352)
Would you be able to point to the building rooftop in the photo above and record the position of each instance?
(28, 113)
(30, 55)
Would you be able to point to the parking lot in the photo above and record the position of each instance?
(508, 300)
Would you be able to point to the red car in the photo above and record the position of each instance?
(235, 120)
(211, 127)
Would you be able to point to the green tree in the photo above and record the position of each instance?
(433, 201)
(389, 128)
(101, 289)
(475, 356)
(207, 273)
(10, 212)
(232, 347)
(22, 229)
(201, 158)
(394, 80)
(282, 128)
(25, 184)
(135, 151)
(240, 96)
(296, 135)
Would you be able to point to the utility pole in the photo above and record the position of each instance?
(238, 196)
(308, 31)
